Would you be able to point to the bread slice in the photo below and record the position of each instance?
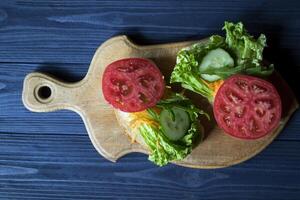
(130, 121)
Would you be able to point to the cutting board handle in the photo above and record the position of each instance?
(42, 93)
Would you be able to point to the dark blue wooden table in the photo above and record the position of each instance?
(49, 155)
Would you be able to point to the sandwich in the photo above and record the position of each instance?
(165, 123)
(230, 73)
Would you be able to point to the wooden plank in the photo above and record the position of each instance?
(67, 167)
(70, 31)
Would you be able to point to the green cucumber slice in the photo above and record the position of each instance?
(216, 58)
(175, 123)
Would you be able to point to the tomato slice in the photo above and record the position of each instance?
(132, 84)
(247, 107)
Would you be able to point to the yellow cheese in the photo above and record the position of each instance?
(214, 85)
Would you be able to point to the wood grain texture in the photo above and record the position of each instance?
(67, 167)
(70, 31)
(47, 35)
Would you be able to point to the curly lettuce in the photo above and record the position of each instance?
(246, 51)
(163, 150)
(245, 47)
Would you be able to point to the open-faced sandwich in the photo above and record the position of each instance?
(226, 71)
(166, 123)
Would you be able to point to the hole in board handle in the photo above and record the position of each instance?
(43, 93)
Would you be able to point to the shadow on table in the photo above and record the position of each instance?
(62, 72)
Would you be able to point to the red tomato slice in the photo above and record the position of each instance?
(132, 84)
(247, 107)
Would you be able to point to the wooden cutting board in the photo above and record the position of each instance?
(42, 93)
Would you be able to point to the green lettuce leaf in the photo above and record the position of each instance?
(243, 45)
(247, 50)
(225, 72)
(164, 150)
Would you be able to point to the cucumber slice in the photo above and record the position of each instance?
(175, 125)
(216, 58)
